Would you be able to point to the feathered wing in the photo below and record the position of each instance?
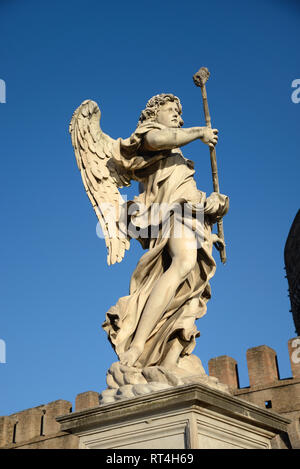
(101, 178)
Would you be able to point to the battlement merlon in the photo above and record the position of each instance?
(262, 366)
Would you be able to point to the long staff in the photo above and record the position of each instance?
(200, 78)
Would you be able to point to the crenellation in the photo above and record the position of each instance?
(262, 366)
(86, 400)
(225, 369)
(37, 428)
(32, 424)
(51, 411)
(262, 369)
(266, 388)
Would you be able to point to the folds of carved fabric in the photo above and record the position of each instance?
(178, 319)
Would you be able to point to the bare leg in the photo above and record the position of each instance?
(172, 354)
(183, 252)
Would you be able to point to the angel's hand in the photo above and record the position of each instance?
(209, 136)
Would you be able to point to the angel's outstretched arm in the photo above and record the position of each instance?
(169, 138)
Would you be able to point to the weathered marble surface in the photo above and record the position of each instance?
(152, 329)
(184, 417)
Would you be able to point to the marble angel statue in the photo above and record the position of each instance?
(152, 330)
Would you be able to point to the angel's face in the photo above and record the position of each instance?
(168, 115)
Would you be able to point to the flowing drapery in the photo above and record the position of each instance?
(166, 178)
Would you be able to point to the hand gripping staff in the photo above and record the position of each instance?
(200, 78)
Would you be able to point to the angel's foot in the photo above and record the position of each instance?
(131, 355)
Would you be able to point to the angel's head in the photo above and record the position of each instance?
(163, 108)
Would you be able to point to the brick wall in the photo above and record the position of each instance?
(266, 389)
(37, 428)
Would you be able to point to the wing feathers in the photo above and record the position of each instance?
(101, 179)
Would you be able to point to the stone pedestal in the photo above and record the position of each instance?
(183, 417)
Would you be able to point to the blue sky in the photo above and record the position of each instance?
(55, 283)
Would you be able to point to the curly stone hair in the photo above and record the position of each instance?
(154, 104)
